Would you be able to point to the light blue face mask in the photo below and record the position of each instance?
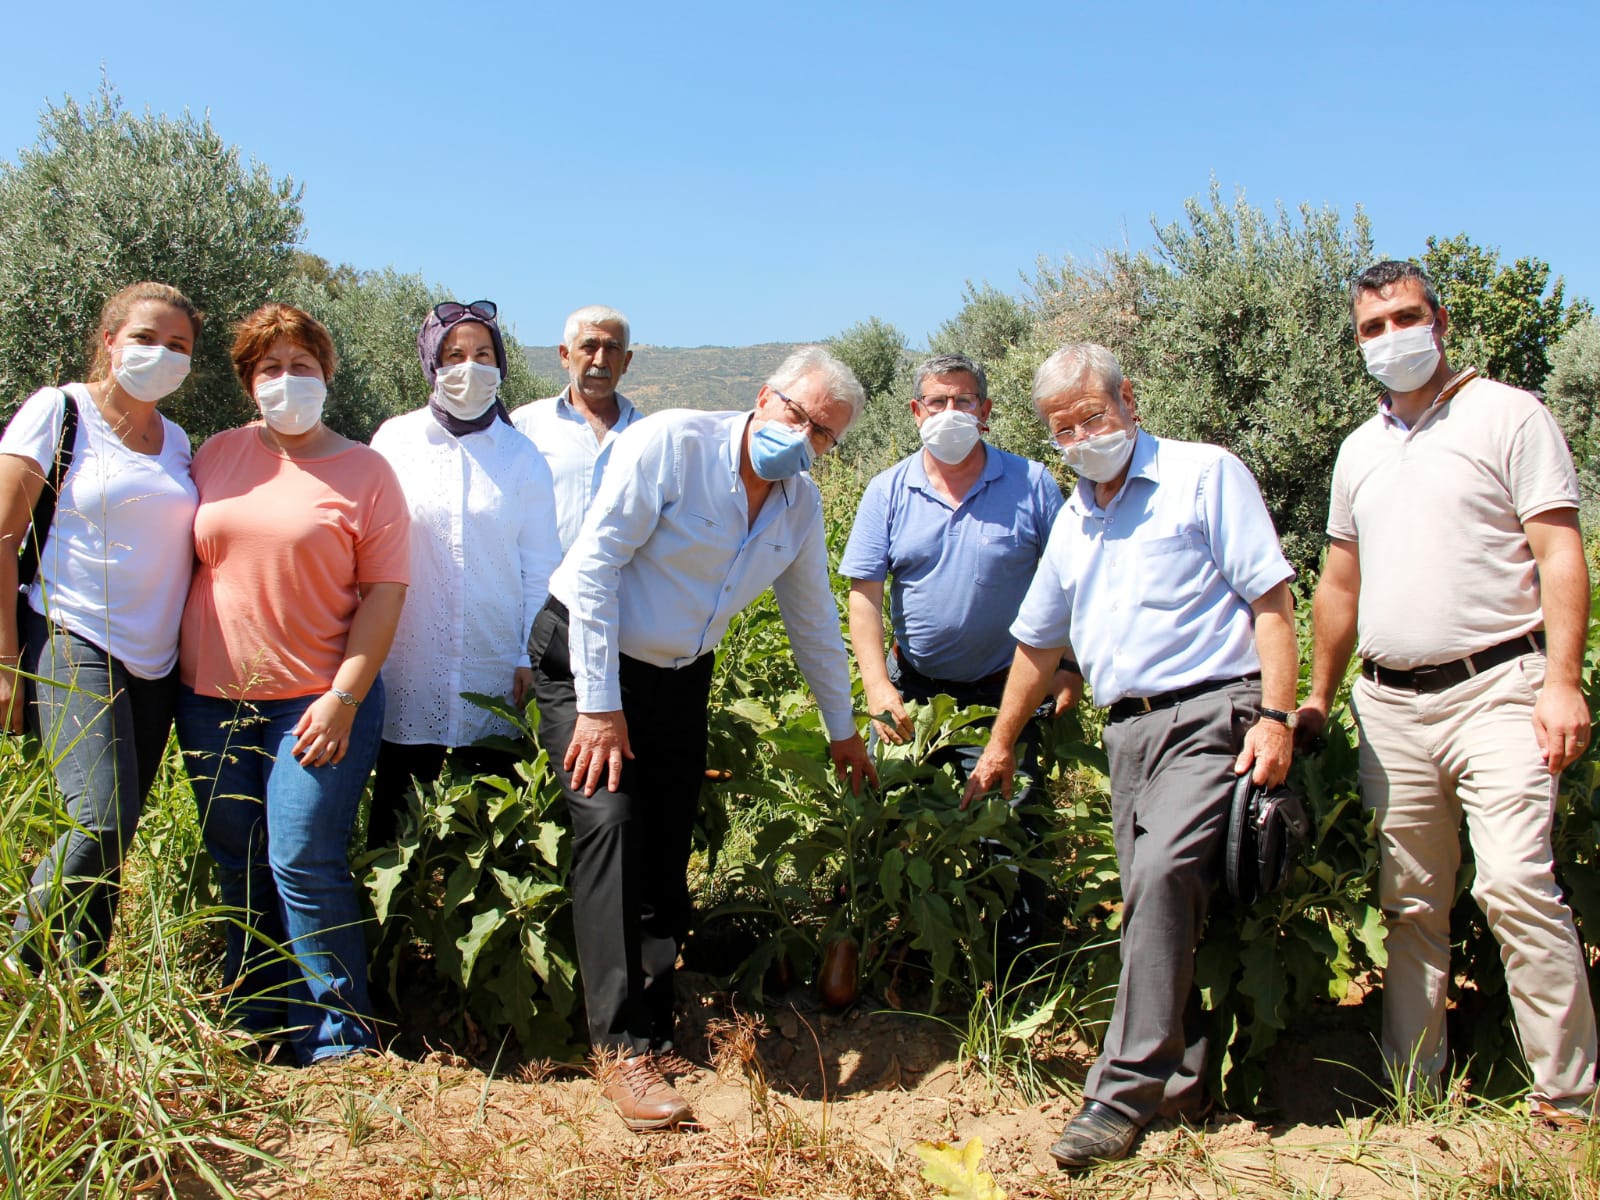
(778, 452)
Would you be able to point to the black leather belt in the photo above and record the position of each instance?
(1448, 675)
(1134, 706)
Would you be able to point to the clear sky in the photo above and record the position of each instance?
(738, 173)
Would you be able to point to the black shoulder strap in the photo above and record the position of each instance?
(44, 508)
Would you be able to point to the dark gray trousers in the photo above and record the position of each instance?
(630, 848)
(1171, 786)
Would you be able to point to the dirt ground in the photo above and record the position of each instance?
(796, 1101)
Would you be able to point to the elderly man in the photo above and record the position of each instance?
(576, 430)
(1164, 575)
(959, 526)
(698, 515)
(1457, 569)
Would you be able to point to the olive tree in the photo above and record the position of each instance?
(1235, 329)
(1504, 318)
(105, 199)
(876, 351)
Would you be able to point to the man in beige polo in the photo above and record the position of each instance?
(1456, 568)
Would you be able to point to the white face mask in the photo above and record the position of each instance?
(149, 373)
(950, 435)
(466, 389)
(1101, 457)
(291, 404)
(1402, 360)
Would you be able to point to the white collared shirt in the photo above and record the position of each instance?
(1153, 592)
(667, 557)
(483, 546)
(576, 457)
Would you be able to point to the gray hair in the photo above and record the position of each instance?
(941, 365)
(1066, 368)
(1388, 273)
(595, 314)
(842, 385)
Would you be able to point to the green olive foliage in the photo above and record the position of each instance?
(105, 199)
(1503, 319)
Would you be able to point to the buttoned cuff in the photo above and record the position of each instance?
(599, 696)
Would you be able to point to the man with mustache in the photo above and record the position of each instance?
(576, 429)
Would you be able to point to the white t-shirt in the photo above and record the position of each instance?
(483, 544)
(115, 568)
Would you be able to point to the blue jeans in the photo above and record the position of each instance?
(104, 732)
(279, 833)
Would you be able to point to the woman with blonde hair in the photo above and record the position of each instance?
(100, 625)
(302, 543)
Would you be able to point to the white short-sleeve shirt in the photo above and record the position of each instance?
(116, 566)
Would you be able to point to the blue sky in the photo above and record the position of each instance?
(737, 173)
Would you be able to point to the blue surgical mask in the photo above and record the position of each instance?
(778, 452)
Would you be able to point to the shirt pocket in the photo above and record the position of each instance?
(1004, 559)
(1172, 571)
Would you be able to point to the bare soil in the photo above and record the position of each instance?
(796, 1101)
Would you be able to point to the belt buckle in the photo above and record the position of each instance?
(1144, 704)
(1421, 677)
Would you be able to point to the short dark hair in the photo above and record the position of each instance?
(941, 365)
(1388, 273)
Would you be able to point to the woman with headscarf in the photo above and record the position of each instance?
(483, 545)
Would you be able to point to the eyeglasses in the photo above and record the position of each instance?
(1085, 428)
(799, 416)
(451, 311)
(937, 404)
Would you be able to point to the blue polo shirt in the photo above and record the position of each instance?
(1153, 591)
(957, 574)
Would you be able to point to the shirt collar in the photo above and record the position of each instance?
(1446, 394)
(1142, 465)
(917, 471)
(625, 410)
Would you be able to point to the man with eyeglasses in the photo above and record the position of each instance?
(1456, 567)
(698, 514)
(1163, 576)
(956, 529)
(576, 430)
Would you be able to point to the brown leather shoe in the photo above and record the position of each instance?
(643, 1098)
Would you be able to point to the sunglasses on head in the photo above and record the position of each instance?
(451, 311)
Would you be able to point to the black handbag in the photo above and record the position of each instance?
(44, 515)
(1267, 830)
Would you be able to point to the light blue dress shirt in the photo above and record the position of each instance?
(1153, 592)
(957, 574)
(577, 459)
(667, 557)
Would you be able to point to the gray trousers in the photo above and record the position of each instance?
(1171, 786)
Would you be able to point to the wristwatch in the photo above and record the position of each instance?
(345, 698)
(1290, 719)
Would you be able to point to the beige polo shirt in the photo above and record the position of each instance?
(1437, 512)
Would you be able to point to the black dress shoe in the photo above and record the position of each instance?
(1099, 1133)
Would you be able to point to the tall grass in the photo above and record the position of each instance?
(116, 1081)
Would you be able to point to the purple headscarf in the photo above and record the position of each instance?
(430, 339)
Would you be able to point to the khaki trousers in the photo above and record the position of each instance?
(1427, 759)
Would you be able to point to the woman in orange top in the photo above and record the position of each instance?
(302, 540)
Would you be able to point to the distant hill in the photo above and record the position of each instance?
(709, 377)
